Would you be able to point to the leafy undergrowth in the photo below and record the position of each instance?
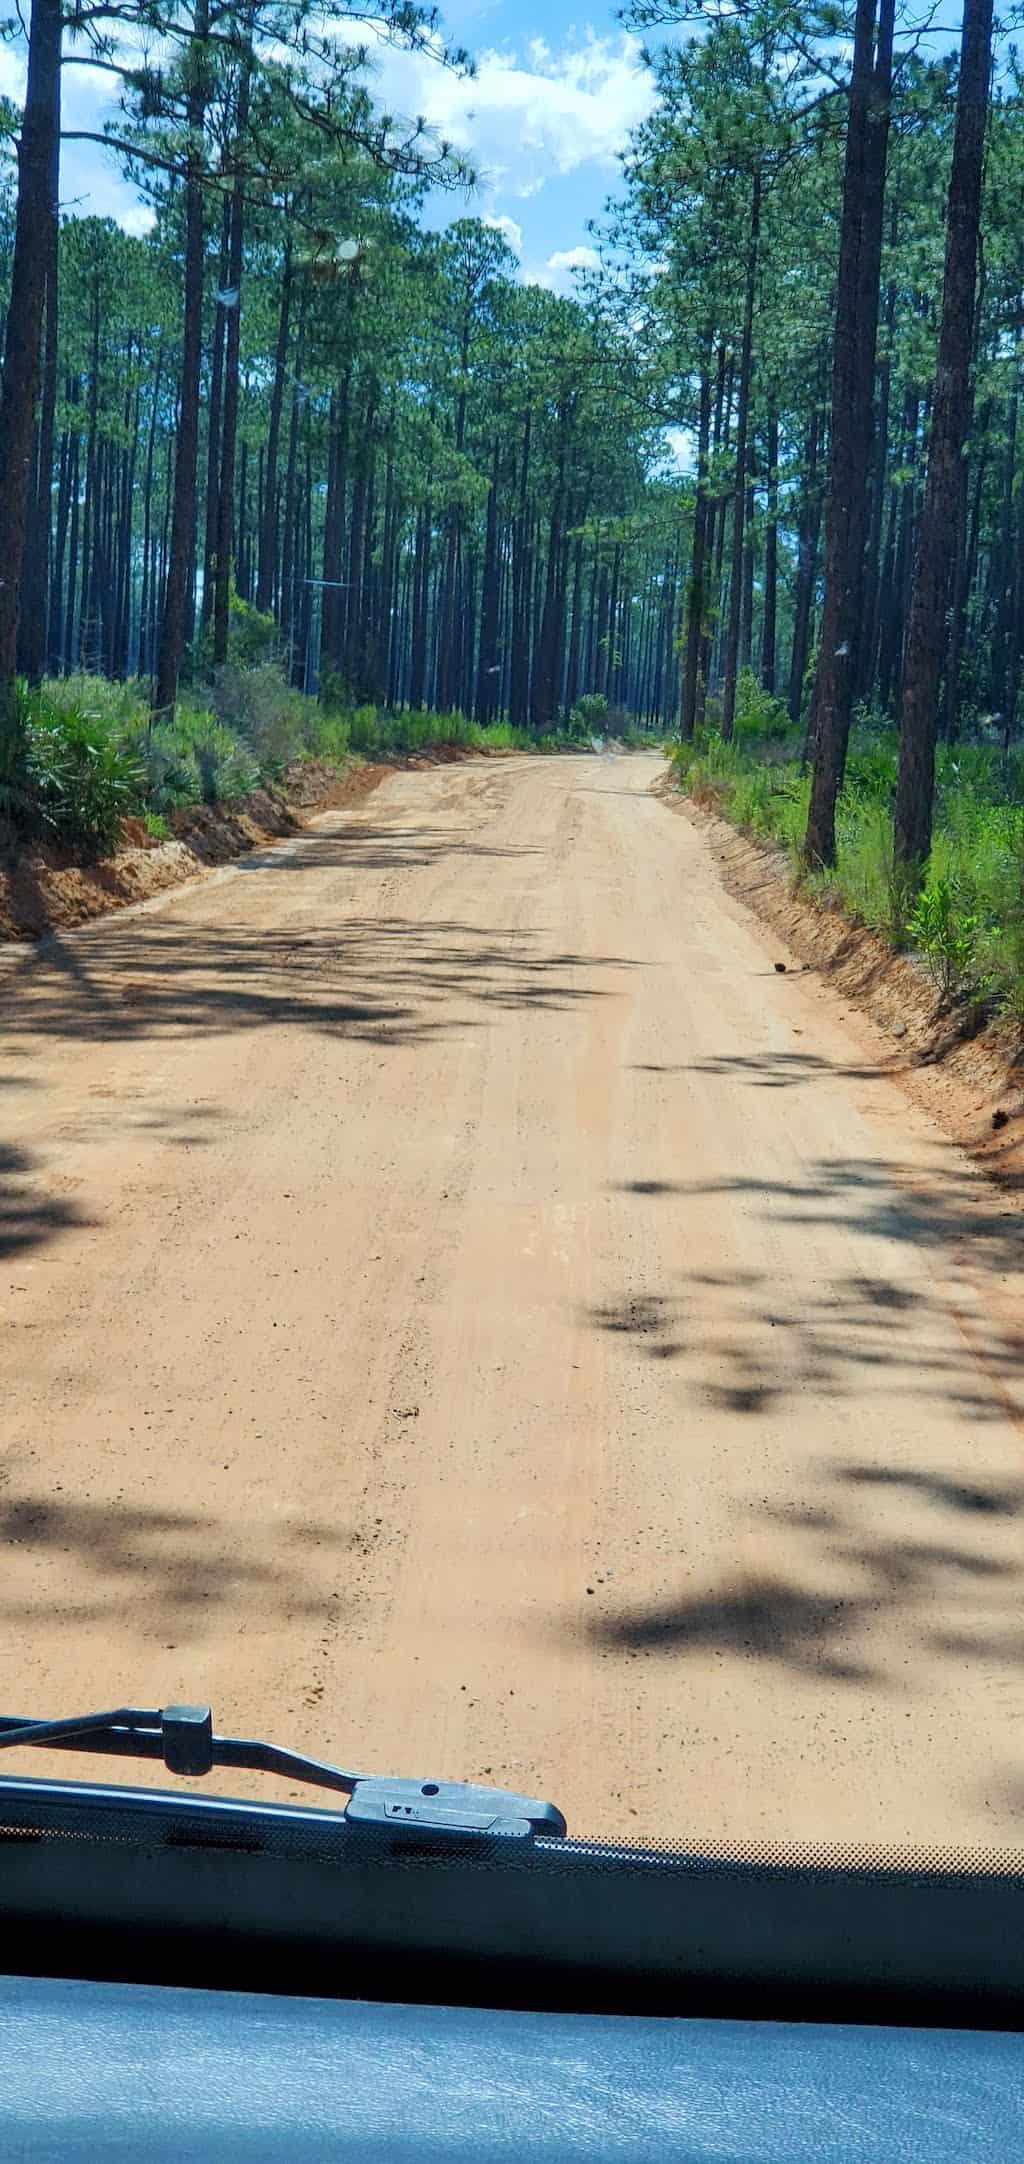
(967, 923)
(81, 754)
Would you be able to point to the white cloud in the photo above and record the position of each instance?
(528, 116)
(138, 220)
(524, 118)
(570, 259)
(90, 182)
(91, 186)
(681, 447)
(12, 74)
(557, 273)
(509, 228)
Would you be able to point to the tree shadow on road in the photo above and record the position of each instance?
(868, 1332)
(862, 1585)
(384, 981)
(876, 1198)
(779, 1070)
(367, 846)
(29, 1216)
(859, 1600)
(35, 1205)
(163, 1573)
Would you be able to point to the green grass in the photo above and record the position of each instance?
(413, 732)
(967, 924)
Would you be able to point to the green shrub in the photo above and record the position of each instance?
(261, 707)
(452, 728)
(870, 774)
(501, 736)
(589, 715)
(410, 733)
(335, 694)
(253, 638)
(1011, 993)
(1001, 936)
(83, 777)
(169, 767)
(225, 766)
(866, 875)
(253, 635)
(122, 706)
(193, 759)
(364, 732)
(325, 734)
(946, 934)
(750, 801)
(758, 714)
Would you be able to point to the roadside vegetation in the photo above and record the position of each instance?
(83, 753)
(966, 920)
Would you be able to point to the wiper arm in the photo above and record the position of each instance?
(183, 1737)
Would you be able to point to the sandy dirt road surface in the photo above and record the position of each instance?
(465, 1313)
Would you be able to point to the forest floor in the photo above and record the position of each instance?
(465, 1311)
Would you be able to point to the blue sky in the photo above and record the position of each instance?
(555, 94)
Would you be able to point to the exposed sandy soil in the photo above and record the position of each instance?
(462, 1310)
(43, 890)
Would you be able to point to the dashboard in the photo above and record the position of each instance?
(97, 2071)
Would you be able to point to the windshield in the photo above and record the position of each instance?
(512, 885)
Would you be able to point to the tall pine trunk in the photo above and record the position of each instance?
(951, 409)
(547, 671)
(34, 228)
(808, 539)
(146, 597)
(35, 596)
(420, 600)
(266, 581)
(572, 662)
(232, 348)
(853, 369)
(213, 422)
(55, 618)
(183, 512)
(72, 587)
(519, 659)
(771, 554)
(696, 591)
(732, 641)
(867, 635)
(487, 675)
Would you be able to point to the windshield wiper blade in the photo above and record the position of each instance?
(183, 1737)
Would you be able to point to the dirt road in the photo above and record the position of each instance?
(462, 1310)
